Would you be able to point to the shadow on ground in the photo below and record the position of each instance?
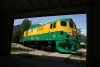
(28, 60)
(53, 59)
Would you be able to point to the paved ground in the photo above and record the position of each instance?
(54, 57)
(83, 50)
(16, 61)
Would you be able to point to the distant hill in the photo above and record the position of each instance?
(83, 37)
(15, 28)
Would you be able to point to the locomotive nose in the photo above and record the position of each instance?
(73, 33)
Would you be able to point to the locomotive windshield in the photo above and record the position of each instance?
(63, 23)
(71, 25)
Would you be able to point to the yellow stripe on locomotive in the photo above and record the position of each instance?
(65, 26)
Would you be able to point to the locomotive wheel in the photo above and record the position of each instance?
(50, 49)
(38, 47)
(42, 47)
(34, 46)
(26, 44)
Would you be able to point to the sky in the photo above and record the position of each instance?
(79, 20)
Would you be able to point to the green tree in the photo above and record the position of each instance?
(13, 37)
(16, 36)
(79, 33)
(25, 25)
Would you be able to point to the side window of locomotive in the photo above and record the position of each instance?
(50, 26)
(71, 25)
(54, 25)
(42, 27)
(31, 31)
(26, 33)
(63, 23)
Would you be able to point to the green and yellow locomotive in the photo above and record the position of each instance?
(60, 35)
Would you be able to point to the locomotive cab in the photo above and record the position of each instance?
(72, 28)
(68, 27)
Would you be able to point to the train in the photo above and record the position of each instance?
(60, 35)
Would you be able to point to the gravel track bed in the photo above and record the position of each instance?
(45, 53)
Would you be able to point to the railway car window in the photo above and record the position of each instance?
(37, 29)
(54, 26)
(31, 30)
(26, 33)
(63, 23)
(71, 25)
(50, 26)
(42, 27)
